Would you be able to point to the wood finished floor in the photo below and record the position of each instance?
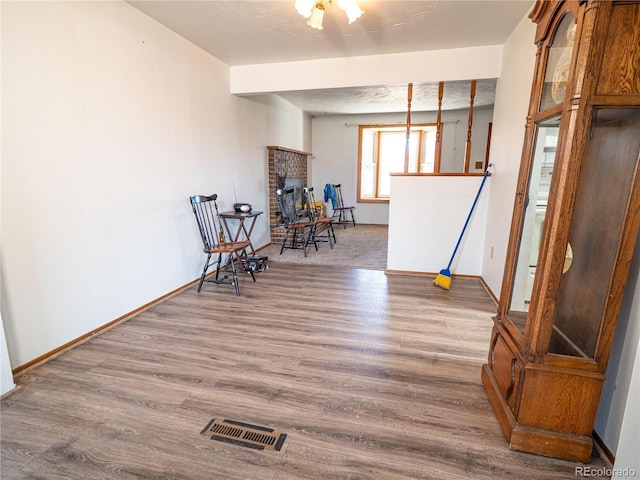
(370, 376)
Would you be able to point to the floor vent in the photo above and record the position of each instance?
(244, 434)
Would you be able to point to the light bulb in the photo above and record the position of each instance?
(304, 7)
(353, 12)
(317, 15)
(351, 8)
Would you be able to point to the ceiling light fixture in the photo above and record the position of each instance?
(313, 10)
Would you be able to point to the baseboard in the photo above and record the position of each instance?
(22, 369)
(408, 272)
(489, 291)
(428, 274)
(603, 451)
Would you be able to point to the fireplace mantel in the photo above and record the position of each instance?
(291, 150)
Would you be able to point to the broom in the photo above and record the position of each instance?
(443, 279)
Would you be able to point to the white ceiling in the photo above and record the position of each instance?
(391, 98)
(245, 32)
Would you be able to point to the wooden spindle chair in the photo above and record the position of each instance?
(323, 230)
(299, 230)
(342, 214)
(205, 210)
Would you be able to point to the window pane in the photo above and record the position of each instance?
(414, 151)
(382, 152)
(428, 162)
(368, 166)
(391, 159)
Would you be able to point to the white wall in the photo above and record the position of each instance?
(335, 149)
(627, 453)
(398, 68)
(109, 122)
(509, 116)
(6, 377)
(617, 401)
(428, 213)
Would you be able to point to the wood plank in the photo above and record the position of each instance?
(370, 376)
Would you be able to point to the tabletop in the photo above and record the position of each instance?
(241, 215)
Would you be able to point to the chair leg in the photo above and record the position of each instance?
(353, 219)
(337, 217)
(312, 236)
(251, 272)
(235, 278)
(218, 263)
(328, 234)
(204, 272)
(294, 240)
(284, 241)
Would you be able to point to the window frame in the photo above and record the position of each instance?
(419, 128)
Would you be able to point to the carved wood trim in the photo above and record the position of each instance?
(438, 156)
(408, 135)
(467, 154)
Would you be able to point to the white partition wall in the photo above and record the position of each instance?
(426, 216)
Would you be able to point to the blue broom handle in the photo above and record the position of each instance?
(486, 173)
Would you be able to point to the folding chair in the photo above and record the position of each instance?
(299, 231)
(205, 210)
(323, 225)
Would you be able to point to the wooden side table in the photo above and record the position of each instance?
(243, 228)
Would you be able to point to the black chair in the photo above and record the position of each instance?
(299, 230)
(205, 210)
(323, 225)
(341, 214)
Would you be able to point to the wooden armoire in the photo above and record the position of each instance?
(574, 227)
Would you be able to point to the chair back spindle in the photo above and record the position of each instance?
(207, 219)
(298, 232)
(286, 202)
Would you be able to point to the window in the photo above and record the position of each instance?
(383, 151)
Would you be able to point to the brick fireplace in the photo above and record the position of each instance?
(287, 168)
